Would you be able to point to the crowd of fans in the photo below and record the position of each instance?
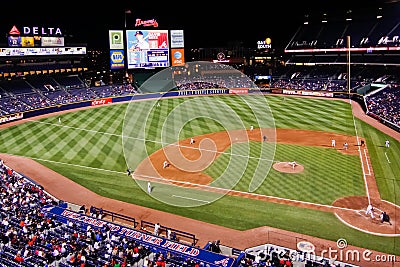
(29, 237)
(41, 94)
(384, 104)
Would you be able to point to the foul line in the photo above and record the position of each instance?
(231, 191)
(387, 158)
(363, 230)
(360, 154)
(366, 159)
(68, 164)
(205, 201)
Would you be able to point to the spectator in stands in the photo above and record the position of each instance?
(214, 246)
(173, 236)
(169, 233)
(18, 258)
(92, 211)
(100, 213)
(157, 229)
(146, 262)
(82, 209)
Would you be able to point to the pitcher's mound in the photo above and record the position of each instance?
(288, 167)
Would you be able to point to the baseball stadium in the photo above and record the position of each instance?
(197, 165)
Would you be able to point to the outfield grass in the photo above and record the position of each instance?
(88, 147)
(308, 185)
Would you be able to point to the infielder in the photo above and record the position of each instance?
(345, 146)
(191, 140)
(251, 128)
(165, 164)
(333, 142)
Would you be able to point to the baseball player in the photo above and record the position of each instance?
(387, 144)
(370, 210)
(251, 128)
(293, 164)
(149, 187)
(165, 164)
(191, 140)
(333, 142)
(345, 146)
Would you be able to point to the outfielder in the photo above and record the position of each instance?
(149, 187)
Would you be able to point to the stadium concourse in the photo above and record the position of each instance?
(55, 184)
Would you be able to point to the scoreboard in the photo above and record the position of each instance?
(156, 55)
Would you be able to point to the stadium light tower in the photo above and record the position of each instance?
(348, 65)
(324, 18)
(127, 11)
(348, 15)
(379, 15)
(306, 19)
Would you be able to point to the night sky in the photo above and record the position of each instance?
(205, 23)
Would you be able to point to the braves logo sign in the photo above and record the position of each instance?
(223, 262)
(146, 23)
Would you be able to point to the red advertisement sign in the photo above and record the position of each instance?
(103, 101)
(239, 91)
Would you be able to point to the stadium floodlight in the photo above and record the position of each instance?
(379, 15)
(348, 17)
(127, 11)
(306, 19)
(324, 18)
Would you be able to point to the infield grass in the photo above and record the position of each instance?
(87, 147)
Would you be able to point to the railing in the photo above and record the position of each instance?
(170, 233)
(114, 216)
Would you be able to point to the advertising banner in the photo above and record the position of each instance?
(177, 56)
(117, 59)
(116, 39)
(100, 102)
(210, 258)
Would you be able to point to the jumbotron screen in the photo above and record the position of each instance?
(147, 49)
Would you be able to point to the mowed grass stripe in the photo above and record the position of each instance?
(306, 186)
(315, 115)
